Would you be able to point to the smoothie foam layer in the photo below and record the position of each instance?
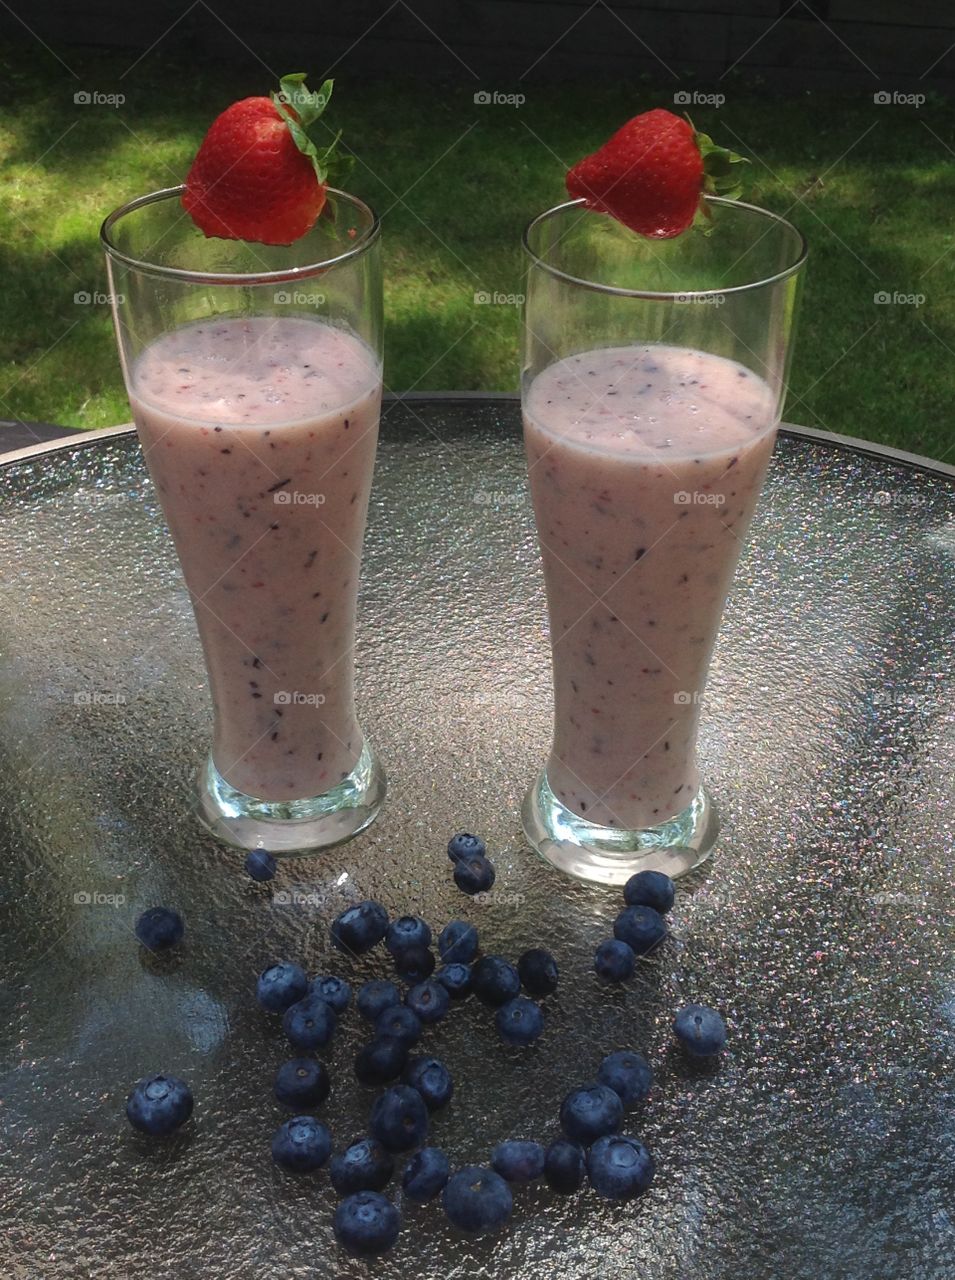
(257, 370)
(635, 401)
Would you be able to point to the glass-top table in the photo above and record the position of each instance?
(824, 1143)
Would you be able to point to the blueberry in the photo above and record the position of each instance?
(405, 932)
(538, 970)
(381, 1060)
(628, 1074)
(375, 996)
(650, 889)
(301, 1082)
(366, 1224)
(620, 1167)
(309, 1023)
(589, 1112)
(614, 960)
(477, 1199)
(458, 942)
(399, 1022)
(360, 928)
(641, 928)
(159, 928)
(520, 1021)
(518, 1160)
(429, 1000)
(280, 985)
(431, 1078)
(464, 845)
(364, 1165)
(564, 1166)
(159, 1104)
(701, 1031)
(414, 964)
(426, 1173)
(301, 1144)
(334, 991)
(261, 865)
(399, 1118)
(456, 980)
(474, 874)
(494, 980)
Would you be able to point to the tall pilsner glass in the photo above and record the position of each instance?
(652, 381)
(254, 377)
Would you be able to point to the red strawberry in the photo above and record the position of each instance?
(257, 175)
(651, 174)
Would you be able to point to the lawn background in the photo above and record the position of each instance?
(871, 186)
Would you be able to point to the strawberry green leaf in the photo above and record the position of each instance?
(722, 175)
(300, 108)
(308, 106)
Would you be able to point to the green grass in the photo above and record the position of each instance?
(456, 183)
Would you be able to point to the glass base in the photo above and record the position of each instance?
(292, 826)
(605, 855)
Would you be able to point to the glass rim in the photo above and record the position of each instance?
(282, 275)
(669, 295)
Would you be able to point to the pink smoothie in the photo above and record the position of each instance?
(645, 467)
(260, 437)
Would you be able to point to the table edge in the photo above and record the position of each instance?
(852, 444)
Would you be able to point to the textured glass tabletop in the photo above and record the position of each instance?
(822, 1146)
